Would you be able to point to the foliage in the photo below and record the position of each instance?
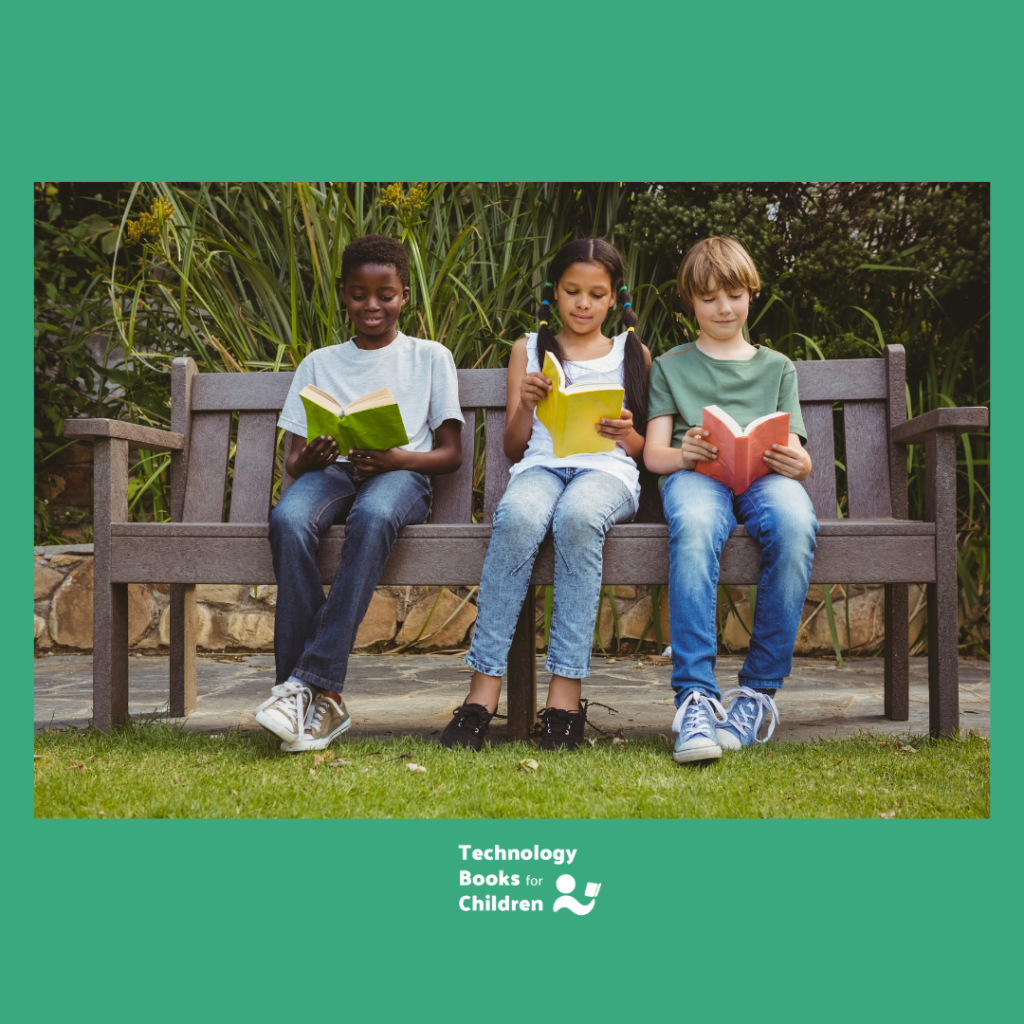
(158, 771)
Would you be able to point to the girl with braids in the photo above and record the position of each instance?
(578, 498)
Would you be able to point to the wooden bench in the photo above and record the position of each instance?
(875, 543)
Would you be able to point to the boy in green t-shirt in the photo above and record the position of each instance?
(717, 280)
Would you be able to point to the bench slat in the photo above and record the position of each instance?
(421, 557)
(207, 466)
(867, 460)
(482, 389)
(261, 392)
(254, 467)
(230, 392)
(841, 380)
(821, 484)
(496, 462)
(453, 492)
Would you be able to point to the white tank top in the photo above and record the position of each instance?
(540, 451)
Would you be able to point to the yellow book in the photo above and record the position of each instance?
(571, 412)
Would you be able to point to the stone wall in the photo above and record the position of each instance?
(234, 617)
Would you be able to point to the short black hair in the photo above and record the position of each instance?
(380, 249)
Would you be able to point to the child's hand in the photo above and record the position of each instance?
(789, 460)
(695, 449)
(318, 454)
(533, 389)
(372, 463)
(617, 430)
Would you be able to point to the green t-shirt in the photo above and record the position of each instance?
(684, 380)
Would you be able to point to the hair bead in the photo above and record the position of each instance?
(628, 329)
(623, 289)
(544, 302)
(548, 284)
(543, 323)
(627, 305)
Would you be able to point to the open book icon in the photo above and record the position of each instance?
(372, 421)
(741, 452)
(571, 412)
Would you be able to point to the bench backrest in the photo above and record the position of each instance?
(871, 392)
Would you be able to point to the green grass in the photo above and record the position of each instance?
(157, 771)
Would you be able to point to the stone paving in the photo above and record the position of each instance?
(415, 694)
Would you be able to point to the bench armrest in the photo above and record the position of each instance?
(962, 420)
(136, 435)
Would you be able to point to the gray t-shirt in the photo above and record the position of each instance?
(420, 373)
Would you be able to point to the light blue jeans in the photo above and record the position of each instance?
(701, 512)
(578, 506)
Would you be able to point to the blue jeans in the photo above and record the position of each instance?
(579, 506)
(701, 512)
(313, 635)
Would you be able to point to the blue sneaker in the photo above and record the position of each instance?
(744, 718)
(696, 721)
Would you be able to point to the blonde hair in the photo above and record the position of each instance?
(713, 263)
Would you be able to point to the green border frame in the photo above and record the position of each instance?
(833, 920)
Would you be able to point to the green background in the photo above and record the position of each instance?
(834, 920)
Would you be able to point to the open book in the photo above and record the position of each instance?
(371, 421)
(571, 412)
(741, 452)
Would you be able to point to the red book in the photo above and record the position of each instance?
(741, 452)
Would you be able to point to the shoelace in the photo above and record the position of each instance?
(292, 694)
(315, 714)
(564, 717)
(750, 708)
(697, 715)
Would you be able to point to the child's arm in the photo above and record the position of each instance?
(792, 460)
(661, 457)
(621, 430)
(445, 458)
(525, 390)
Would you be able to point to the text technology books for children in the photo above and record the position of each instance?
(571, 412)
(372, 422)
(741, 452)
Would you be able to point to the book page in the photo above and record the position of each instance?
(322, 398)
(382, 396)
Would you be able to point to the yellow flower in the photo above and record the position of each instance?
(392, 195)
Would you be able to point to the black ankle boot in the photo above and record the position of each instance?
(468, 727)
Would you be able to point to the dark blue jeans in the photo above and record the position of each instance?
(313, 635)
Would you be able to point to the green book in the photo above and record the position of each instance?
(372, 422)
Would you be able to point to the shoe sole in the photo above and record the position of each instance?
(697, 754)
(309, 744)
(273, 725)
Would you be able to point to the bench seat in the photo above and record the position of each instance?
(900, 551)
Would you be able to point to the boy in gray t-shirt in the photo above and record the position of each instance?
(378, 491)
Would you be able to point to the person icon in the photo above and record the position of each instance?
(565, 885)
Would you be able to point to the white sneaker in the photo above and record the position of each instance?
(284, 714)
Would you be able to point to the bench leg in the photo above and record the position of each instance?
(897, 652)
(109, 600)
(183, 650)
(522, 671)
(109, 654)
(943, 628)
